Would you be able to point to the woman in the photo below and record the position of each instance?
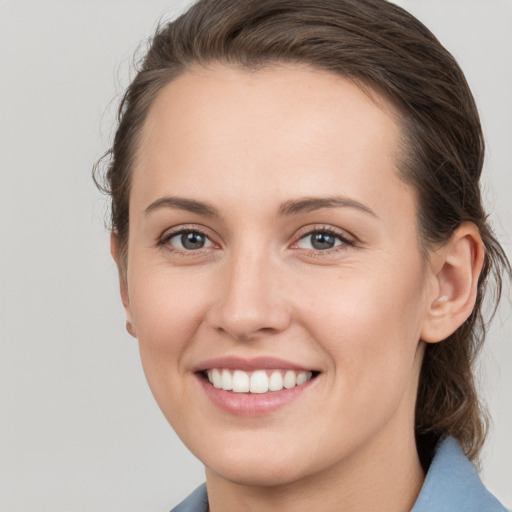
(303, 254)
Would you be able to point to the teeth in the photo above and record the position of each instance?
(240, 382)
(227, 380)
(302, 377)
(290, 379)
(259, 381)
(217, 378)
(275, 382)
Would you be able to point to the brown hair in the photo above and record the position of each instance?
(381, 47)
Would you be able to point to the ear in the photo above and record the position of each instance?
(123, 284)
(455, 267)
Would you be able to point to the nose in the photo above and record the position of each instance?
(251, 302)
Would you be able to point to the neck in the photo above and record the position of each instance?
(383, 475)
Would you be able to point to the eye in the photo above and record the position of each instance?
(188, 240)
(321, 240)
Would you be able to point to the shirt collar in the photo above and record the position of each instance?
(452, 483)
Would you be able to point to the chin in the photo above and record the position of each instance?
(273, 465)
(258, 474)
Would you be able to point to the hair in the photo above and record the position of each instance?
(381, 48)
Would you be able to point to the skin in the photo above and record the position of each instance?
(247, 143)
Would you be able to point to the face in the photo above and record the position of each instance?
(273, 245)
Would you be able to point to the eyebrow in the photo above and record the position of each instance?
(291, 207)
(181, 203)
(309, 204)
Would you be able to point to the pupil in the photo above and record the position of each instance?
(192, 240)
(322, 241)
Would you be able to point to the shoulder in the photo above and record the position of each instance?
(452, 484)
(195, 502)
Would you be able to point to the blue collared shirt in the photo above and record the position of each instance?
(452, 484)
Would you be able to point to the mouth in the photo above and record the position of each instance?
(258, 381)
(254, 387)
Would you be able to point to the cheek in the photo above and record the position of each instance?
(369, 324)
(166, 313)
(165, 306)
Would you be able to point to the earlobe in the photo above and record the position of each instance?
(456, 267)
(123, 285)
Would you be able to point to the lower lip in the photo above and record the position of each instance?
(252, 404)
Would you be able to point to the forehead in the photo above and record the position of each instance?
(283, 131)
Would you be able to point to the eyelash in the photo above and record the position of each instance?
(341, 236)
(165, 239)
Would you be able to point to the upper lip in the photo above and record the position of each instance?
(252, 364)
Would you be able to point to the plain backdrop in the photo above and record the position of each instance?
(79, 430)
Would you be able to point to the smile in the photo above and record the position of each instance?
(258, 381)
(255, 387)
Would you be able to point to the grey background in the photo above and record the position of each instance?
(79, 430)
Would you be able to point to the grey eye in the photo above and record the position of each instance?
(319, 241)
(190, 240)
